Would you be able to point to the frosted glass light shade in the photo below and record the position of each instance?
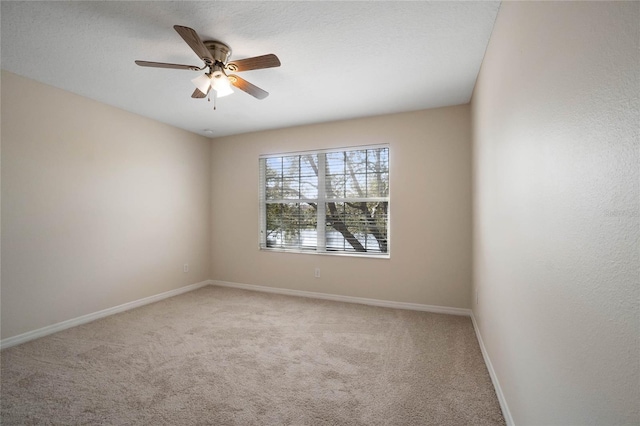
(203, 83)
(220, 83)
(223, 89)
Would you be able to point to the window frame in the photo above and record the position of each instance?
(321, 200)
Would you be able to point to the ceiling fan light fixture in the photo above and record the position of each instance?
(203, 83)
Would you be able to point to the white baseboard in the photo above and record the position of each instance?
(54, 328)
(492, 373)
(348, 299)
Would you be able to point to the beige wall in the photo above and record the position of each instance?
(99, 206)
(556, 215)
(430, 234)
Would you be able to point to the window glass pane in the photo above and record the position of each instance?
(356, 185)
(335, 163)
(358, 174)
(334, 186)
(309, 187)
(334, 174)
(291, 165)
(291, 178)
(378, 185)
(273, 178)
(358, 227)
(309, 176)
(273, 188)
(355, 174)
(378, 172)
(273, 167)
(290, 187)
(309, 165)
(291, 225)
(356, 161)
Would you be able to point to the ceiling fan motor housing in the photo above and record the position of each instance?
(220, 51)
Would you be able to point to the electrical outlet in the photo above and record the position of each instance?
(317, 273)
(185, 268)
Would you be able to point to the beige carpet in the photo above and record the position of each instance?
(219, 356)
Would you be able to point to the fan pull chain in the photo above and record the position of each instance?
(214, 98)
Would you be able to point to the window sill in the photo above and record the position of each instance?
(327, 253)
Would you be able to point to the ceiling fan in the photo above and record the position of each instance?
(215, 56)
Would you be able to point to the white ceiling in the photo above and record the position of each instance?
(340, 60)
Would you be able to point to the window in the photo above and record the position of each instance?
(333, 201)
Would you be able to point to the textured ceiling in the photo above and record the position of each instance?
(339, 59)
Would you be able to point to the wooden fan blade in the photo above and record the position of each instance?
(245, 86)
(255, 63)
(197, 94)
(165, 65)
(195, 43)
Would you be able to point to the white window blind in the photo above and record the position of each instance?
(333, 201)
